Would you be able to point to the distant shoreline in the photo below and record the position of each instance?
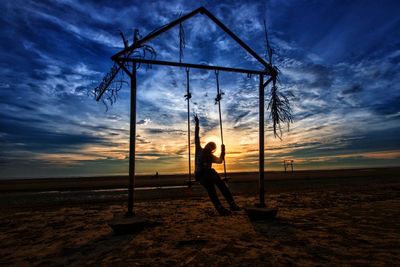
(150, 175)
(111, 182)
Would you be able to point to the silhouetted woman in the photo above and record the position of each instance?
(207, 176)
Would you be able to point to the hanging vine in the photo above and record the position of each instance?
(182, 41)
(114, 80)
(281, 110)
(279, 104)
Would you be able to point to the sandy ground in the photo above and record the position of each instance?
(335, 226)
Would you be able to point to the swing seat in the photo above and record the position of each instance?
(193, 182)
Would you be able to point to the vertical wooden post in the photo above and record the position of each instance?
(132, 144)
(261, 142)
(260, 211)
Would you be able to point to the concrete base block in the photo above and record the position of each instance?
(128, 224)
(256, 213)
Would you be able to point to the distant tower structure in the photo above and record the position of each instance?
(287, 164)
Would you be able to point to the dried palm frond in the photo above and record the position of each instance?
(113, 81)
(281, 111)
(105, 82)
(279, 104)
(110, 86)
(112, 93)
(140, 51)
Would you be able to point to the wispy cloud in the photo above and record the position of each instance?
(342, 72)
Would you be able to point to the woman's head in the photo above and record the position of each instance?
(210, 147)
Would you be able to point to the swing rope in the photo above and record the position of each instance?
(188, 96)
(218, 101)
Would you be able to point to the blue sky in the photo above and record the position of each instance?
(340, 59)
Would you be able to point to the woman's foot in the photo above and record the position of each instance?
(234, 207)
(223, 212)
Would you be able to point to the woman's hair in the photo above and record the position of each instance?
(211, 146)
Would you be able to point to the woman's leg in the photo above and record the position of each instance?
(226, 192)
(222, 187)
(212, 193)
(209, 185)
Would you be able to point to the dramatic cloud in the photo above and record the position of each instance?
(340, 63)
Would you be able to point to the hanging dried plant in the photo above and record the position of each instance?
(279, 104)
(281, 111)
(113, 81)
(111, 95)
(143, 50)
(182, 41)
(109, 87)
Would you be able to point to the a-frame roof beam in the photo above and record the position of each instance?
(190, 65)
(155, 33)
(172, 24)
(236, 38)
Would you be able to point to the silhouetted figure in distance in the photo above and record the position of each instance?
(207, 176)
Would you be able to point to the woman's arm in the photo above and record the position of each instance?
(221, 157)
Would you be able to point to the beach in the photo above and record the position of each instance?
(321, 221)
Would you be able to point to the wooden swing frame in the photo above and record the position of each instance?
(122, 58)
